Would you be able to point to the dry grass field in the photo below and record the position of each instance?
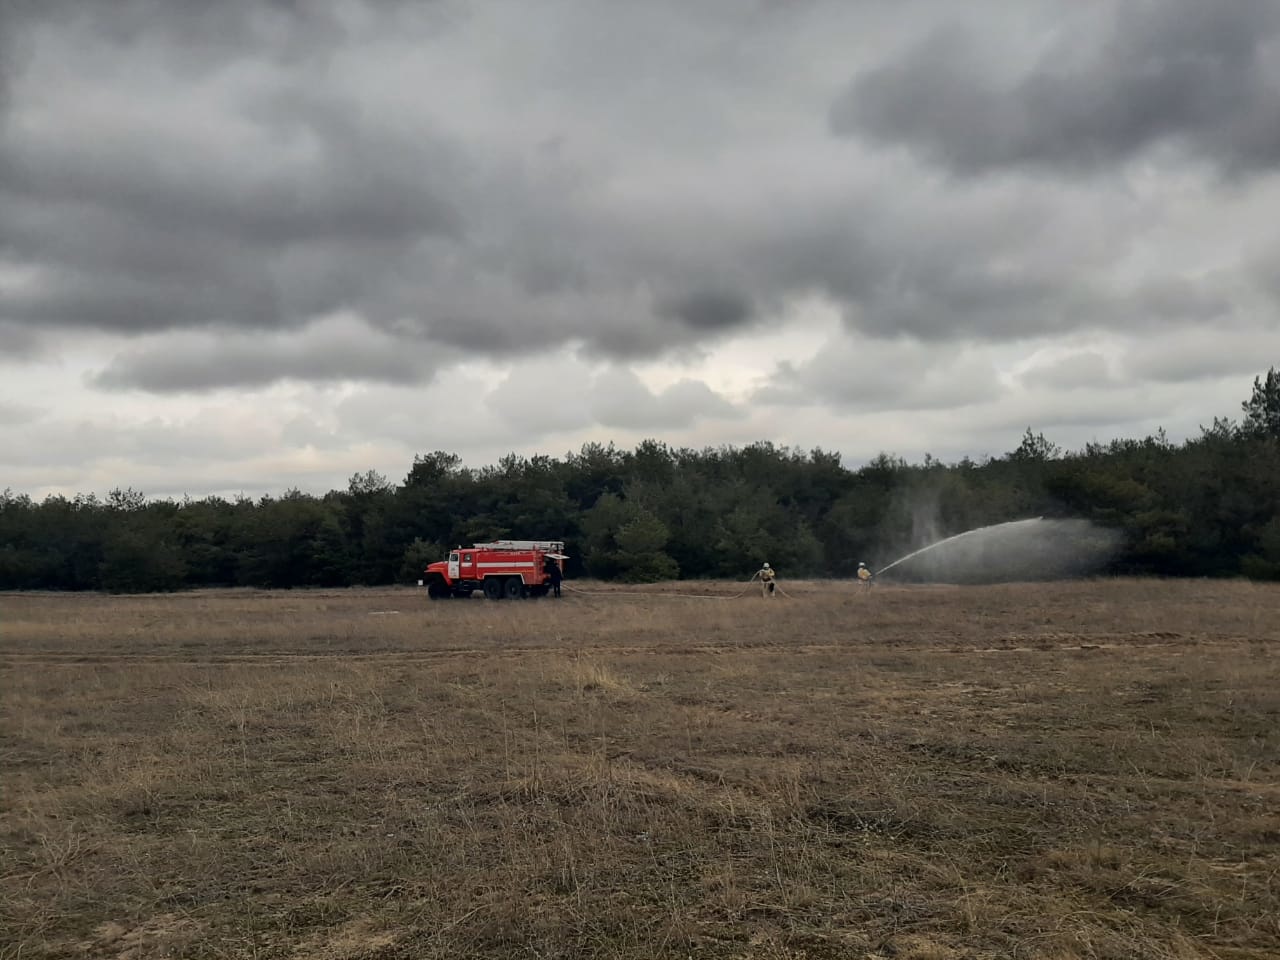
(1084, 770)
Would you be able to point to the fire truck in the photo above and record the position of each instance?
(503, 569)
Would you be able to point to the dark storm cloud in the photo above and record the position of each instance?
(475, 181)
(1121, 78)
(293, 26)
(261, 193)
(334, 350)
(991, 265)
(708, 310)
(142, 236)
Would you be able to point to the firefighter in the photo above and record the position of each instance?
(552, 567)
(767, 576)
(864, 575)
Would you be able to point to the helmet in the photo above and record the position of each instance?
(766, 566)
(862, 564)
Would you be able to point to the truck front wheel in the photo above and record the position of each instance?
(438, 590)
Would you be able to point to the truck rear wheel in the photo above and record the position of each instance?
(493, 588)
(514, 588)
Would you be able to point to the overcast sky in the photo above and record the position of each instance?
(252, 245)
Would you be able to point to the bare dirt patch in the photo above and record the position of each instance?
(1081, 770)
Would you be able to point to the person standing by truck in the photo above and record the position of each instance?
(552, 567)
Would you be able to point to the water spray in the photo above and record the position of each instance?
(1030, 549)
(967, 533)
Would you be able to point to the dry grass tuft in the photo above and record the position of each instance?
(1070, 772)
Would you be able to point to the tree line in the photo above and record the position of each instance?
(1209, 506)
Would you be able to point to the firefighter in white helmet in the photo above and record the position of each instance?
(864, 575)
(766, 577)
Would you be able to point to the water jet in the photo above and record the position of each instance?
(1031, 549)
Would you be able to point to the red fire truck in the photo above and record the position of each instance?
(508, 569)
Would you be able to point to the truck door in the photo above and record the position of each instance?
(453, 566)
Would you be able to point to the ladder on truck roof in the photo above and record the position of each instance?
(547, 546)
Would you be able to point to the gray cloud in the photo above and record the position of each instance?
(404, 415)
(12, 414)
(1186, 299)
(296, 30)
(17, 343)
(1104, 411)
(67, 442)
(1076, 370)
(541, 397)
(1119, 80)
(260, 190)
(637, 192)
(341, 350)
(146, 234)
(618, 399)
(889, 375)
(1204, 354)
(709, 310)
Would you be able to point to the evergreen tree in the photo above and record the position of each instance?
(1262, 409)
